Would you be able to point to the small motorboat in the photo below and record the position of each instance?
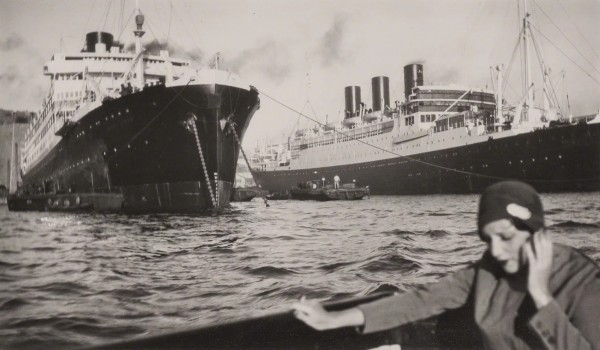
(311, 190)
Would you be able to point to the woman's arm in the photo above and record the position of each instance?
(312, 313)
(449, 292)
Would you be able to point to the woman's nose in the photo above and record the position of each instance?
(495, 247)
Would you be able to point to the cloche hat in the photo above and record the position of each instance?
(513, 200)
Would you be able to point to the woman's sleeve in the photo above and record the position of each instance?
(582, 331)
(450, 292)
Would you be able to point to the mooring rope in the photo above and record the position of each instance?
(262, 194)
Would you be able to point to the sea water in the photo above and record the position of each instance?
(71, 280)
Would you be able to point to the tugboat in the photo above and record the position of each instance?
(146, 130)
(310, 190)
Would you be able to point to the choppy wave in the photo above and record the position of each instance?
(62, 288)
(270, 271)
(575, 224)
(437, 233)
(440, 214)
(554, 211)
(128, 293)
(399, 232)
(391, 262)
(7, 264)
(335, 266)
(12, 304)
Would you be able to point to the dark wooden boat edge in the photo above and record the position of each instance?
(283, 331)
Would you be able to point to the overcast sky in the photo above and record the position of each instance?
(304, 52)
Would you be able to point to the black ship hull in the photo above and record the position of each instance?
(144, 147)
(557, 159)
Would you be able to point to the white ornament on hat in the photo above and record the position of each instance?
(518, 211)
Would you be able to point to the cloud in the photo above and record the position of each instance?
(446, 75)
(13, 41)
(195, 55)
(21, 74)
(9, 75)
(330, 47)
(18, 79)
(153, 47)
(270, 59)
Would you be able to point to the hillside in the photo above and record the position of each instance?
(20, 120)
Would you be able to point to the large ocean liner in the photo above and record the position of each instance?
(441, 139)
(149, 128)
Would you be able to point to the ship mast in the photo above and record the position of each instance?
(528, 91)
(499, 115)
(139, 21)
(546, 82)
(12, 154)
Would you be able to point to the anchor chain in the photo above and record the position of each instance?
(262, 194)
(192, 122)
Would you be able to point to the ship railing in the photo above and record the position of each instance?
(47, 110)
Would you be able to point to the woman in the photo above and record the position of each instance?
(524, 293)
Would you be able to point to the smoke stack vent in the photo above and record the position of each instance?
(413, 76)
(381, 92)
(352, 101)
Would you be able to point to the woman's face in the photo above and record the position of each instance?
(505, 243)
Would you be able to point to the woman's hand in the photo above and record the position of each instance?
(313, 314)
(539, 256)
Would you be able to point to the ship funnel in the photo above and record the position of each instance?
(352, 101)
(93, 38)
(381, 92)
(413, 76)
